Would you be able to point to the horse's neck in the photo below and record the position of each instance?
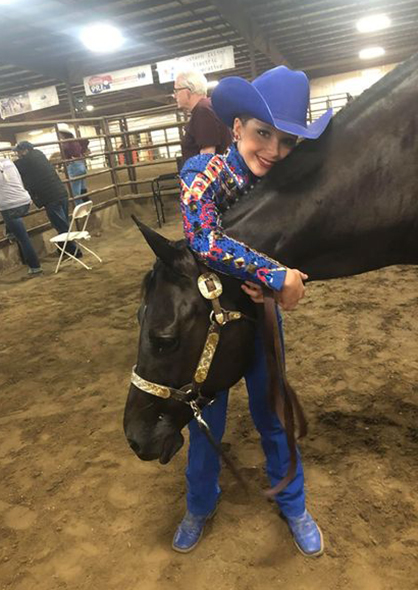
(358, 211)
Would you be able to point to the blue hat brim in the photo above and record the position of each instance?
(234, 96)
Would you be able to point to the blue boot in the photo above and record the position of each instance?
(190, 531)
(306, 534)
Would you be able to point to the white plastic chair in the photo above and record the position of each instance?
(81, 211)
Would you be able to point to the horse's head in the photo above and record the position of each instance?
(174, 321)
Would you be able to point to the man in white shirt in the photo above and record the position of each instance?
(14, 204)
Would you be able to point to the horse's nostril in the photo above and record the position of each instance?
(134, 445)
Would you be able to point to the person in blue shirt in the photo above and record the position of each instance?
(267, 117)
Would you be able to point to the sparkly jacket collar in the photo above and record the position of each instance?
(238, 169)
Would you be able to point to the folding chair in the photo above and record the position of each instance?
(80, 211)
(157, 186)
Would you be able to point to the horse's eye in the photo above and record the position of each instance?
(164, 344)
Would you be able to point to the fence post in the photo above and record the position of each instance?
(113, 174)
(129, 159)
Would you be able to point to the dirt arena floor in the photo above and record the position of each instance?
(79, 511)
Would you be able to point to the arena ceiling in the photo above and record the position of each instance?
(39, 44)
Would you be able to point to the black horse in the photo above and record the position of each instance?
(341, 205)
(174, 320)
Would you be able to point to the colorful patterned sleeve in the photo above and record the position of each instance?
(200, 187)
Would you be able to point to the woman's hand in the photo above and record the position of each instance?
(292, 291)
(254, 291)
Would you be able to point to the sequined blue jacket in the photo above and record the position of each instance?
(207, 184)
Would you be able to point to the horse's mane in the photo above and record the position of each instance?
(377, 91)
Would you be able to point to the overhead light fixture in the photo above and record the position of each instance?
(35, 131)
(371, 52)
(102, 38)
(212, 83)
(373, 23)
(89, 107)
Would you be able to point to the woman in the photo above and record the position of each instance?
(14, 204)
(267, 117)
(75, 150)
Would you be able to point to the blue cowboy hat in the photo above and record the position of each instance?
(279, 97)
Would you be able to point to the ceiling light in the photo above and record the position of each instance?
(371, 52)
(373, 23)
(102, 38)
(212, 83)
(89, 107)
(36, 131)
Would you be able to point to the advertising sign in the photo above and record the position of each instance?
(214, 60)
(118, 80)
(33, 100)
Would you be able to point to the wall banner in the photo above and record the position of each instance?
(33, 100)
(214, 60)
(118, 80)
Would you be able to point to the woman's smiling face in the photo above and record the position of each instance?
(261, 145)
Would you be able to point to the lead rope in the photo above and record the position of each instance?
(282, 396)
(217, 446)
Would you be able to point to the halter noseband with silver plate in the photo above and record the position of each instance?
(210, 287)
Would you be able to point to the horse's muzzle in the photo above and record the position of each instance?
(147, 456)
(171, 445)
(163, 452)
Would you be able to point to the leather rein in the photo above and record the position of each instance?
(283, 400)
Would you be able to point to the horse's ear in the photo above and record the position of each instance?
(162, 248)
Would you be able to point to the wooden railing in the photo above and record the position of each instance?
(122, 147)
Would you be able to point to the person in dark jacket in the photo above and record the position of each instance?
(45, 187)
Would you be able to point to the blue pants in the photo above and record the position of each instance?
(204, 463)
(15, 225)
(57, 213)
(77, 168)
